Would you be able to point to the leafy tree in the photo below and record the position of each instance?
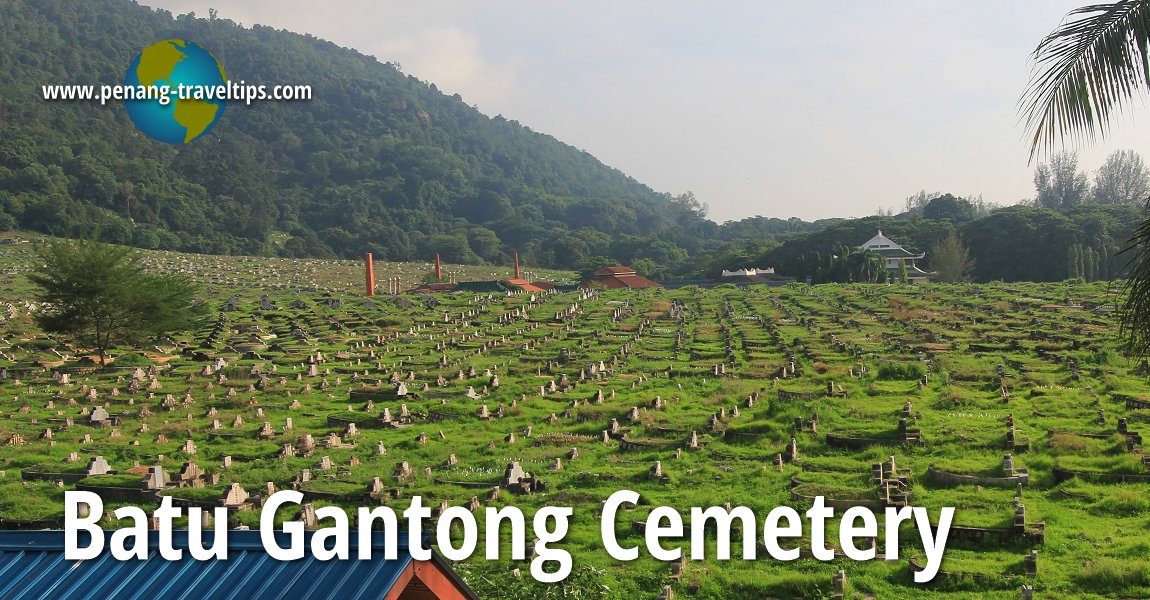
(951, 260)
(1088, 264)
(867, 266)
(947, 206)
(1122, 179)
(588, 266)
(1059, 184)
(101, 295)
(1089, 67)
(916, 202)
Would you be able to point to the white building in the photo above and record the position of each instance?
(896, 256)
(748, 272)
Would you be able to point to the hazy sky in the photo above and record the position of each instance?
(811, 109)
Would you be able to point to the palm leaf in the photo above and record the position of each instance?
(1086, 70)
(1134, 314)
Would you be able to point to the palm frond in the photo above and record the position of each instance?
(1086, 70)
(1134, 314)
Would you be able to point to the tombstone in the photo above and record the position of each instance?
(99, 415)
(1030, 564)
(156, 478)
(840, 585)
(513, 474)
(792, 451)
(97, 466)
(403, 471)
(693, 444)
(656, 472)
(189, 471)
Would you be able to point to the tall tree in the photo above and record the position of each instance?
(1122, 179)
(1088, 68)
(1059, 184)
(101, 295)
(958, 210)
(951, 260)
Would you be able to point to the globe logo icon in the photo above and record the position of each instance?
(169, 64)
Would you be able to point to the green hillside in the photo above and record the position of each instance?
(379, 160)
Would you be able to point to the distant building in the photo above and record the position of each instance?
(896, 256)
(748, 275)
(749, 272)
(618, 278)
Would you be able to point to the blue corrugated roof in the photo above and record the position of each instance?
(32, 565)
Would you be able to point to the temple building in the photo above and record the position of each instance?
(896, 256)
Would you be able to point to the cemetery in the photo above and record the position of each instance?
(1011, 403)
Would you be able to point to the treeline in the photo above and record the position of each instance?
(378, 161)
(1015, 243)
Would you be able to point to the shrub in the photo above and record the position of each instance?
(905, 371)
(134, 359)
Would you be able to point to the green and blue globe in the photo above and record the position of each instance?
(171, 63)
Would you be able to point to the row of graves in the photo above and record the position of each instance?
(1009, 403)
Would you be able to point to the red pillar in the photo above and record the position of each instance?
(369, 274)
(517, 264)
(438, 269)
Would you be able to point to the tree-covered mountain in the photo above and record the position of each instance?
(378, 160)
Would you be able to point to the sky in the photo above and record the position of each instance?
(814, 109)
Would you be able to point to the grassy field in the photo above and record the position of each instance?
(965, 358)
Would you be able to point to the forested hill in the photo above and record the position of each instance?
(378, 160)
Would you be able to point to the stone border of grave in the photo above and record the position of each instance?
(1029, 566)
(839, 504)
(1062, 474)
(1015, 477)
(7, 524)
